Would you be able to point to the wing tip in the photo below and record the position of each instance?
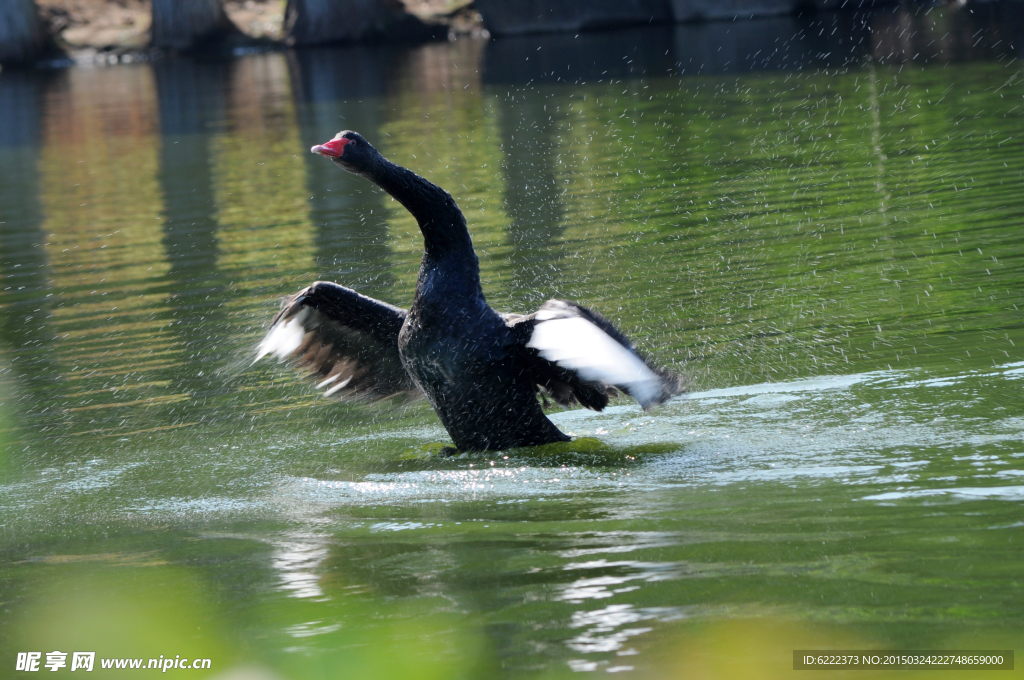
(284, 338)
(559, 336)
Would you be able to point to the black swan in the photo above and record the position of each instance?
(481, 370)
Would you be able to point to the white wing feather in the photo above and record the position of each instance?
(576, 344)
(283, 338)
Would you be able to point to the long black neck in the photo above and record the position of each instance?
(445, 235)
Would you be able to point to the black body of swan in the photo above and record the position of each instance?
(481, 370)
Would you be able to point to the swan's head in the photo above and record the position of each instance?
(349, 150)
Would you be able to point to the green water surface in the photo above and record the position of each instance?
(832, 254)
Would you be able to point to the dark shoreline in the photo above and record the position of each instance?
(463, 22)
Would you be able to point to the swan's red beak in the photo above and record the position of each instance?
(332, 149)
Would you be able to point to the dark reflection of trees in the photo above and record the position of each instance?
(26, 339)
(589, 57)
(978, 31)
(831, 39)
(192, 97)
(339, 89)
(529, 137)
(807, 41)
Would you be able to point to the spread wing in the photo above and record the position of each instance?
(577, 355)
(347, 342)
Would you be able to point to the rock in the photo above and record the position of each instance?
(187, 24)
(258, 19)
(315, 22)
(515, 17)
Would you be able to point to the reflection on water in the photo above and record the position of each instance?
(334, 94)
(297, 558)
(24, 316)
(815, 218)
(791, 43)
(192, 98)
(533, 193)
